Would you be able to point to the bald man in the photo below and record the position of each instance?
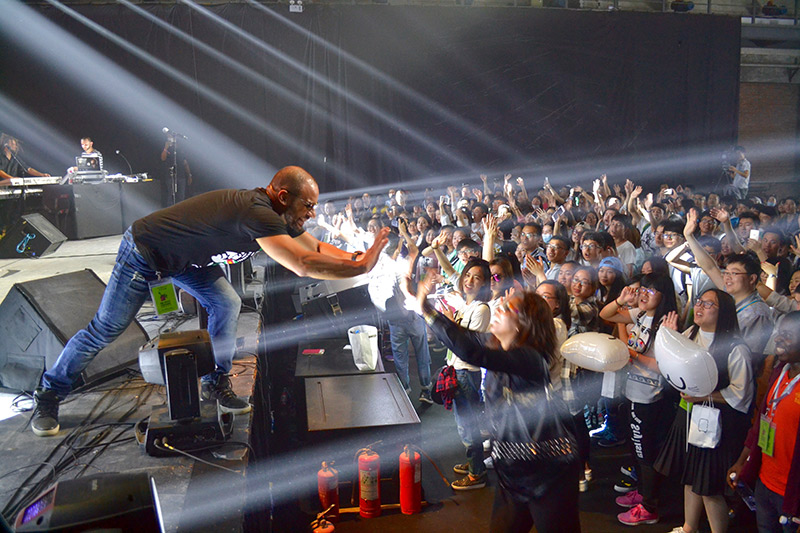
(187, 242)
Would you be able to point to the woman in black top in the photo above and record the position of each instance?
(516, 354)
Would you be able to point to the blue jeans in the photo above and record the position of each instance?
(466, 407)
(413, 330)
(768, 511)
(125, 293)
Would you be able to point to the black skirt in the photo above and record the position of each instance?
(704, 469)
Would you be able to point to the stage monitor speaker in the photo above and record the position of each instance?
(31, 236)
(38, 317)
(332, 314)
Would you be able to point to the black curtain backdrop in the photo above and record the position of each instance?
(367, 95)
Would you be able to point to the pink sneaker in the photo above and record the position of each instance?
(630, 499)
(637, 515)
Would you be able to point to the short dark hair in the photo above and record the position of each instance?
(674, 224)
(468, 244)
(749, 261)
(711, 242)
(751, 215)
(562, 239)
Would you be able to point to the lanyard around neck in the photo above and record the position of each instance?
(776, 399)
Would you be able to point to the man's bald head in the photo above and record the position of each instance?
(294, 180)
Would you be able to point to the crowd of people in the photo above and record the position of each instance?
(505, 275)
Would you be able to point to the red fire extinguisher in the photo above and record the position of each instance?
(410, 481)
(328, 487)
(369, 483)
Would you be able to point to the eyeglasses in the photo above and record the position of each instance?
(497, 277)
(588, 246)
(582, 282)
(671, 235)
(529, 235)
(308, 205)
(728, 273)
(555, 247)
(649, 292)
(705, 304)
(548, 297)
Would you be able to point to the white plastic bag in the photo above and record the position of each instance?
(705, 430)
(364, 342)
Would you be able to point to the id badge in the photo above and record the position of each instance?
(766, 436)
(686, 406)
(165, 297)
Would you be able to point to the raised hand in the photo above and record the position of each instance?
(628, 296)
(691, 222)
(796, 248)
(671, 321)
(628, 187)
(720, 214)
(489, 226)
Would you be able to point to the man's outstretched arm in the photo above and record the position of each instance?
(306, 256)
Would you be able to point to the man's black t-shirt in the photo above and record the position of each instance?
(14, 166)
(213, 228)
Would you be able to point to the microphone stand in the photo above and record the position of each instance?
(130, 169)
(173, 172)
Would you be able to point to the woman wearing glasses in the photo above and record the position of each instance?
(652, 411)
(703, 470)
(517, 353)
(582, 387)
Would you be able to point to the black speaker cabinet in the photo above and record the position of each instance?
(331, 314)
(31, 236)
(98, 210)
(38, 317)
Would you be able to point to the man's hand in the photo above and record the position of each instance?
(636, 191)
(371, 256)
(484, 177)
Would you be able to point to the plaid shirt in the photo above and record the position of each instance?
(446, 385)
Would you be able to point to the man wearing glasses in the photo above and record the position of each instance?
(187, 242)
(556, 250)
(739, 279)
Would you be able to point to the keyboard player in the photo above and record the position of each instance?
(11, 166)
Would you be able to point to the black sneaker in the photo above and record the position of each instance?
(626, 484)
(224, 395)
(425, 396)
(44, 422)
